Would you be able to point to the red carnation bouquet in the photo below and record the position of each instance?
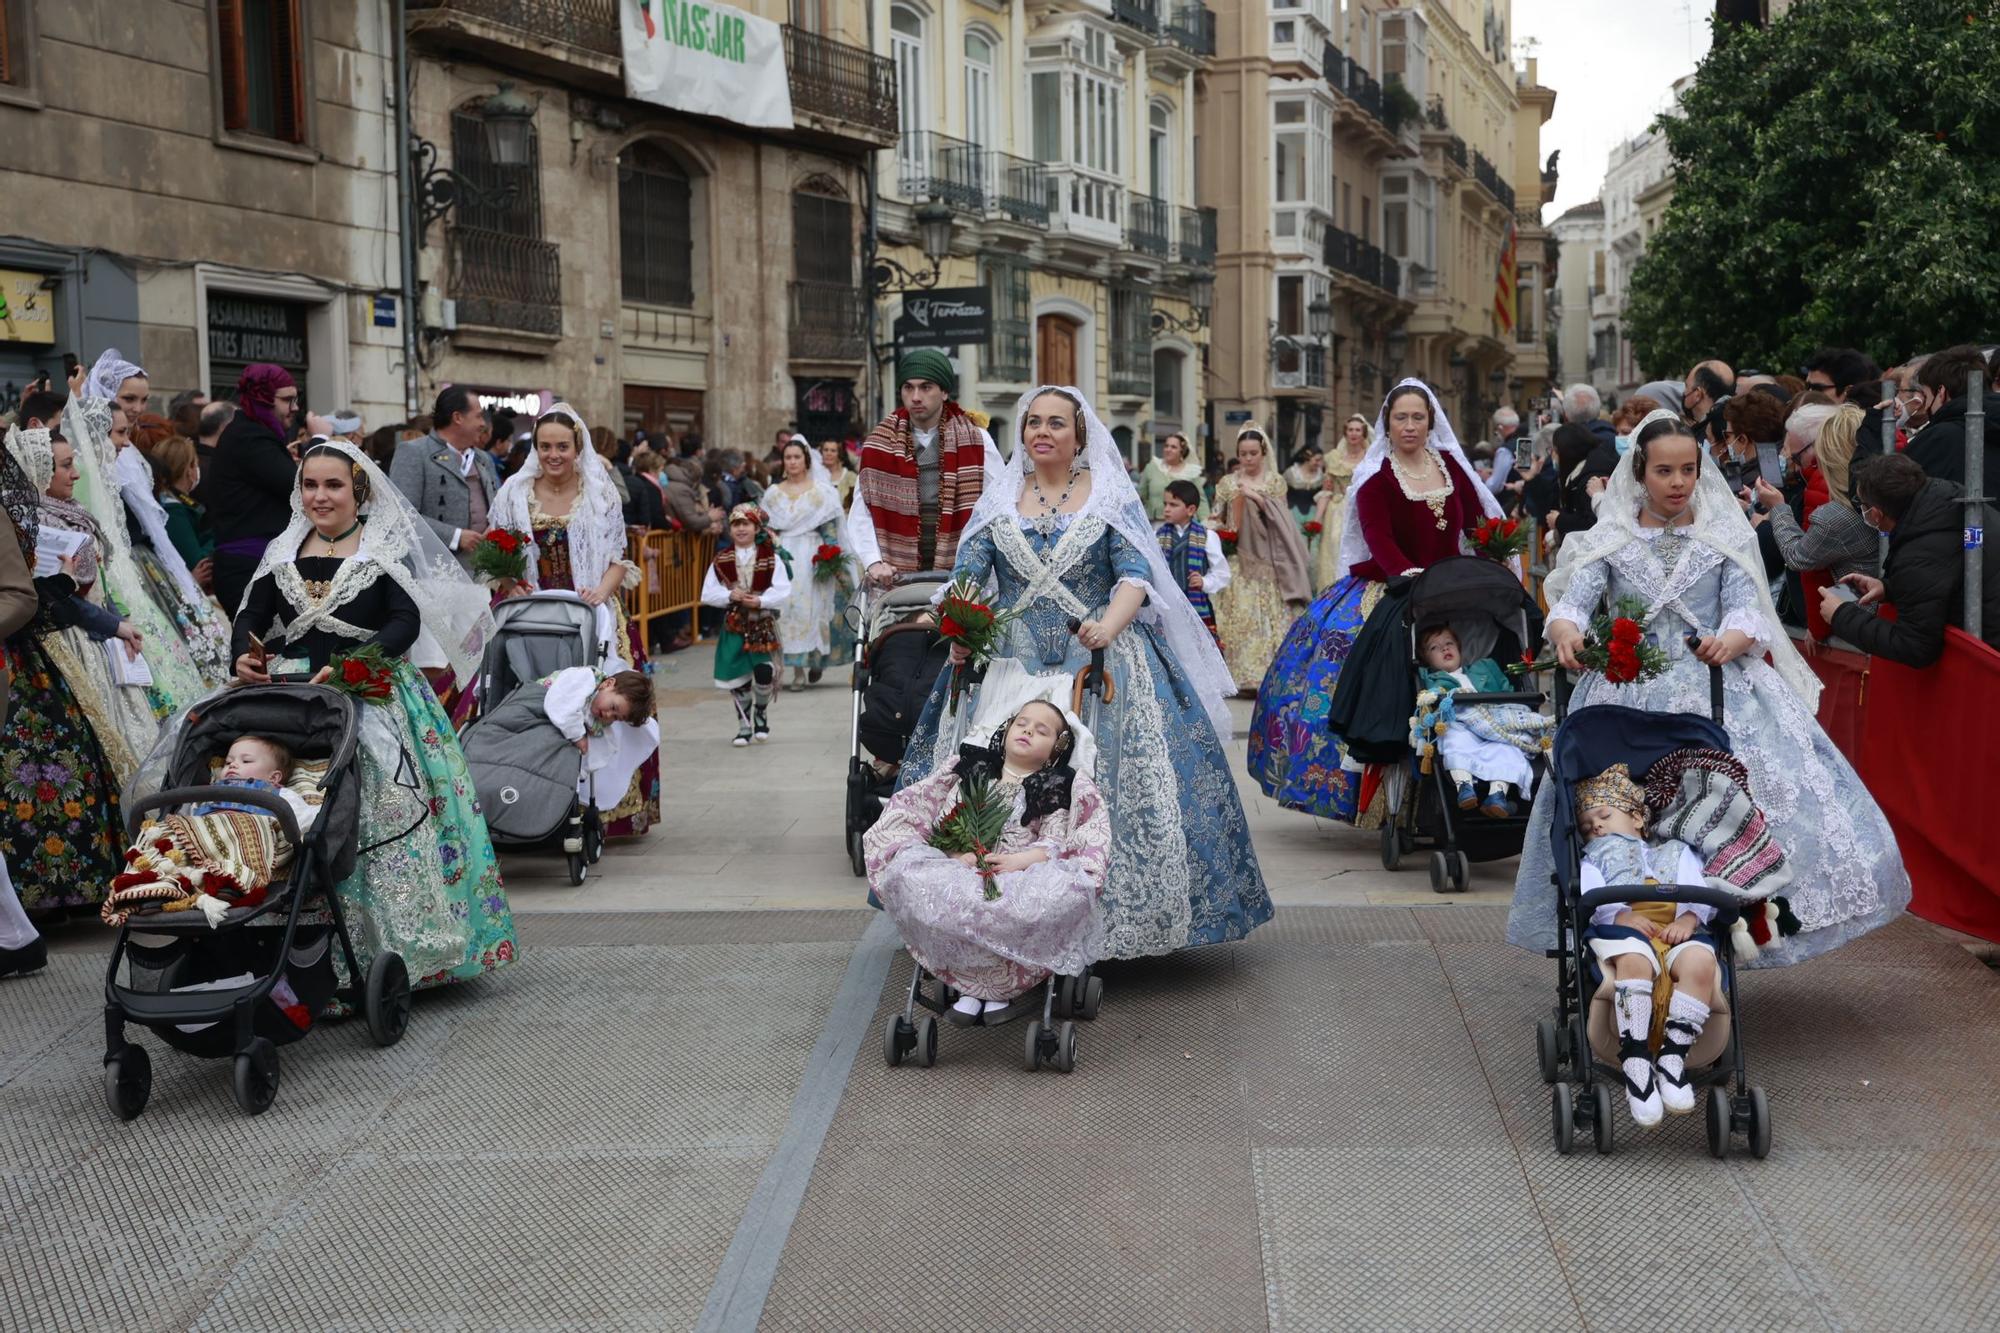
(501, 556)
(1499, 539)
(829, 565)
(365, 673)
(1228, 536)
(1314, 527)
(963, 618)
(1614, 646)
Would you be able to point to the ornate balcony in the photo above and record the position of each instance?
(1348, 254)
(579, 34)
(1015, 188)
(1192, 28)
(1141, 14)
(1197, 237)
(1489, 180)
(1085, 205)
(829, 322)
(842, 85)
(503, 281)
(1146, 225)
(936, 166)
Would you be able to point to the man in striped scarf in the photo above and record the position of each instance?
(921, 471)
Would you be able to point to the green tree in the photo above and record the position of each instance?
(1837, 183)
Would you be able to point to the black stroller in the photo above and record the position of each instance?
(1493, 616)
(1580, 1038)
(525, 770)
(179, 970)
(895, 665)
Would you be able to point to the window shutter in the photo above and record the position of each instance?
(287, 72)
(229, 64)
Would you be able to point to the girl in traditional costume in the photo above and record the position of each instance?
(1270, 585)
(750, 578)
(803, 507)
(1670, 534)
(1061, 537)
(1329, 509)
(564, 502)
(1413, 499)
(355, 567)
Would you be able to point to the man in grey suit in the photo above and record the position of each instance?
(446, 477)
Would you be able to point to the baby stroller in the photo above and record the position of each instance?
(180, 974)
(1051, 1039)
(1493, 616)
(1581, 1036)
(895, 666)
(526, 771)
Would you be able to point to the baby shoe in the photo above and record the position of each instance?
(1468, 799)
(1496, 805)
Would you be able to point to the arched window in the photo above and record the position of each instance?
(906, 46)
(982, 107)
(503, 274)
(655, 227)
(1160, 151)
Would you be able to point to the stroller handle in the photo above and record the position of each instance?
(1714, 682)
(187, 795)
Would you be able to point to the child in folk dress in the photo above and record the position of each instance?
(752, 580)
(1193, 551)
(1489, 743)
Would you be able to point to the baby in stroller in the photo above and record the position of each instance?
(1490, 743)
(222, 854)
(1660, 955)
(993, 926)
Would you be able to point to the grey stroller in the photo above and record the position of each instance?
(526, 771)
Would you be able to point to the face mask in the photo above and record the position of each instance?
(1624, 445)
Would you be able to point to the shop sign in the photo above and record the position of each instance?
(946, 317)
(27, 313)
(244, 329)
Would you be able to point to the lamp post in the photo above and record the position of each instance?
(507, 126)
(1201, 299)
(934, 235)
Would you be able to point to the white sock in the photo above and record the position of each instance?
(969, 1005)
(1496, 789)
(1686, 1017)
(1633, 1003)
(16, 931)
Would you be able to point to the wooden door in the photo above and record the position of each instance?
(656, 410)
(1055, 350)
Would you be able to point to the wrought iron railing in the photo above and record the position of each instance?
(1197, 237)
(1489, 177)
(849, 83)
(590, 24)
(1454, 148)
(505, 281)
(1146, 225)
(1132, 365)
(1015, 187)
(936, 166)
(1140, 14)
(1349, 254)
(829, 322)
(1192, 28)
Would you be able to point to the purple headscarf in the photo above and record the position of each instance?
(257, 391)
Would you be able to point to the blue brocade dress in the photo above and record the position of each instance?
(1847, 876)
(1182, 870)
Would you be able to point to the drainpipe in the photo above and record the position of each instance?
(1975, 503)
(406, 232)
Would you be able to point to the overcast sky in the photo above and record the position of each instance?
(1612, 64)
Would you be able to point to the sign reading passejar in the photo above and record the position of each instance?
(710, 59)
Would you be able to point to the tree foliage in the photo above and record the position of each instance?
(1837, 183)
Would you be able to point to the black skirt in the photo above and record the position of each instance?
(1373, 696)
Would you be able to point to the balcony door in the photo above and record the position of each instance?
(906, 47)
(1055, 349)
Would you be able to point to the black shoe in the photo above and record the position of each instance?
(30, 957)
(760, 728)
(812, 676)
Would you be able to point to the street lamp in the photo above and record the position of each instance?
(507, 129)
(1319, 318)
(1201, 299)
(509, 126)
(1397, 344)
(934, 234)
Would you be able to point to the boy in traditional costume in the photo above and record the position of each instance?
(1660, 955)
(922, 469)
(1193, 552)
(752, 581)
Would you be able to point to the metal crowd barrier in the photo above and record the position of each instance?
(671, 568)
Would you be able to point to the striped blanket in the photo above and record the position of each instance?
(229, 854)
(1702, 798)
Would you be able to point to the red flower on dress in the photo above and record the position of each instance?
(353, 672)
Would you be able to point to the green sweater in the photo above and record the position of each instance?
(187, 529)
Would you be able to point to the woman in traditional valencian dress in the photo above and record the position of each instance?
(59, 822)
(1413, 498)
(1268, 584)
(1330, 504)
(1670, 535)
(356, 567)
(1170, 465)
(803, 511)
(564, 500)
(1060, 535)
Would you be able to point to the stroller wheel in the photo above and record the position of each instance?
(386, 1000)
(894, 1043)
(578, 868)
(1392, 846)
(1090, 991)
(1562, 1116)
(925, 1052)
(1444, 868)
(1064, 1058)
(1601, 1126)
(1760, 1124)
(257, 1076)
(128, 1082)
(1031, 1046)
(1547, 1055)
(1717, 1116)
(854, 856)
(1461, 872)
(593, 838)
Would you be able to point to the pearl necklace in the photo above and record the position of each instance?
(1411, 483)
(1045, 522)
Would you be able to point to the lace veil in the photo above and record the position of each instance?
(596, 525)
(456, 621)
(1719, 524)
(1114, 500)
(1353, 544)
(109, 374)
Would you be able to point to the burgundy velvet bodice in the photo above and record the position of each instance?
(1403, 533)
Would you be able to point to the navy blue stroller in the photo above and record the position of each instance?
(1578, 1043)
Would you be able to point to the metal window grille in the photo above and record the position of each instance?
(656, 230)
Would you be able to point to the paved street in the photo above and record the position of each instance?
(674, 1113)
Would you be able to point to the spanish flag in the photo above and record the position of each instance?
(1505, 287)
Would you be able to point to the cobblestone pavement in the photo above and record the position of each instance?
(682, 1119)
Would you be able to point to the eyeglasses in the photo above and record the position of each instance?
(1821, 386)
